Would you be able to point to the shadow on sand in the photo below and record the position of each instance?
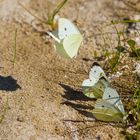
(73, 95)
(8, 83)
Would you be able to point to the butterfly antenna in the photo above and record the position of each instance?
(117, 100)
(114, 98)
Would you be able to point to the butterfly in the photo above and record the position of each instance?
(110, 108)
(67, 38)
(105, 111)
(94, 86)
(97, 90)
(112, 96)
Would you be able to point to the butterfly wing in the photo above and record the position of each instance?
(66, 28)
(96, 73)
(97, 90)
(71, 44)
(68, 47)
(93, 92)
(107, 115)
(60, 50)
(88, 83)
(107, 112)
(112, 96)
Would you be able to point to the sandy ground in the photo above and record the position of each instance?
(40, 92)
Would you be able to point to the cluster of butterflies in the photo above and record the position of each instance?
(108, 106)
(67, 38)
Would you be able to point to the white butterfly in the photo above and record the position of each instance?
(97, 90)
(110, 108)
(112, 96)
(94, 86)
(68, 38)
(95, 74)
(105, 111)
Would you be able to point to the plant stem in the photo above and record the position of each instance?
(15, 47)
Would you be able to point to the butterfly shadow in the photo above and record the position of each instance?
(8, 83)
(71, 94)
(80, 108)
